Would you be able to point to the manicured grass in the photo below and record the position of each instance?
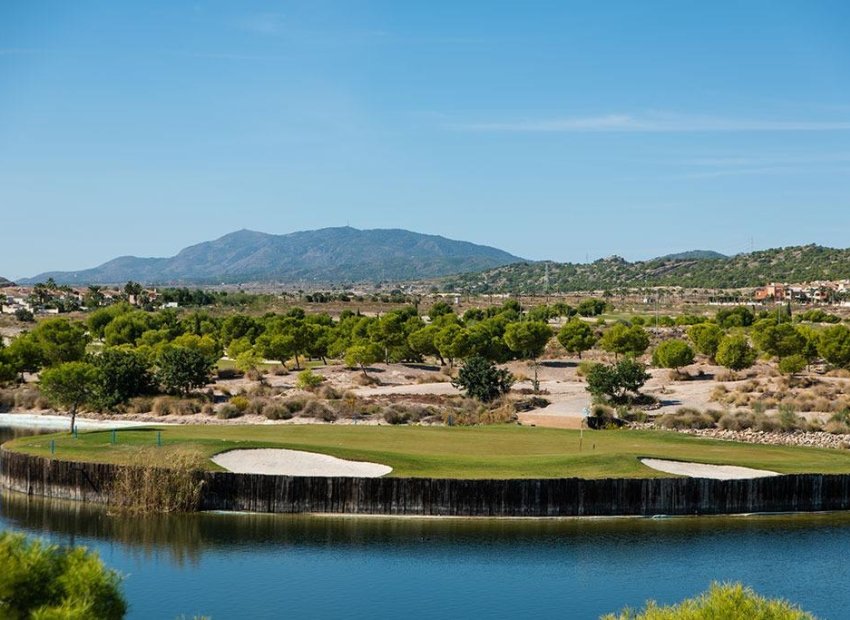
(444, 452)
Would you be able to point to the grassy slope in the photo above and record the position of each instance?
(484, 452)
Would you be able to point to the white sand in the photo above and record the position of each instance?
(703, 470)
(296, 463)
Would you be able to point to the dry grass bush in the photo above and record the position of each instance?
(27, 397)
(520, 377)
(255, 374)
(744, 420)
(503, 413)
(447, 370)
(140, 404)
(842, 373)
(170, 405)
(7, 400)
(240, 402)
(140, 488)
(277, 411)
(208, 408)
(399, 413)
(318, 410)
(365, 380)
(686, 418)
(329, 392)
(295, 403)
(228, 411)
(279, 370)
(727, 375)
(256, 406)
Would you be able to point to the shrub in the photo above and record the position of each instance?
(277, 411)
(7, 400)
(26, 398)
(140, 404)
(481, 379)
(229, 411)
(240, 402)
(686, 418)
(721, 601)
(315, 409)
(295, 404)
(396, 414)
(42, 580)
(308, 380)
(328, 392)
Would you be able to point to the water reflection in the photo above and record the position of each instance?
(185, 537)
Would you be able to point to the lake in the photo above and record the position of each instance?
(272, 566)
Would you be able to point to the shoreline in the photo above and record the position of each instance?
(62, 422)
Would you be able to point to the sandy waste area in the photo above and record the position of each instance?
(703, 470)
(282, 462)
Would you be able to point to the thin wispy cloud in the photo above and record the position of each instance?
(263, 23)
(652, 123)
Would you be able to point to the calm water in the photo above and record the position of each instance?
(272, 566)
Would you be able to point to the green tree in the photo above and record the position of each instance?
(591, 307)
(361, 355)
(792, 364)
(25, 354)
(622, 339)
(706, 338)
(479, 378)
(123, 375)
(735, 353)
(617, 382)
(833, 345)
(576, 337)
(60, 341)
(423, 342)
(528, 339)
(38, 580)
(181, 369)
(739, 316)
(778, 340)
(672, 353)
(70, 385)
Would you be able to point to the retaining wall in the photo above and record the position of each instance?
(550, 497)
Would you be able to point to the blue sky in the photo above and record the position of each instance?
(559, 130)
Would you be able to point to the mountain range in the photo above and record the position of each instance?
(791, 264)
(328, 255)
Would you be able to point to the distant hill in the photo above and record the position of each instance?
(5, 282)
(693, 255)
(792, 264)
(328, 255)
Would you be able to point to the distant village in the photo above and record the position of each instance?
(50, 298)
(25, 302)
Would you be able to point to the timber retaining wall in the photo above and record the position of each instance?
(548, 497)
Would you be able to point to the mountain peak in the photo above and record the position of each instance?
(336, 254)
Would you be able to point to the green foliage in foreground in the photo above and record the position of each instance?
(44, 581)
(726, 601)
(507, 451)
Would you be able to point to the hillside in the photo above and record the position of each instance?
(328, 255)
(791, 264)
(693, 255)
(5, 282)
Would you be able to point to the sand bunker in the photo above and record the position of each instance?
(702, 470)
(296, 463)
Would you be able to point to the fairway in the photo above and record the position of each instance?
(443, 452)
